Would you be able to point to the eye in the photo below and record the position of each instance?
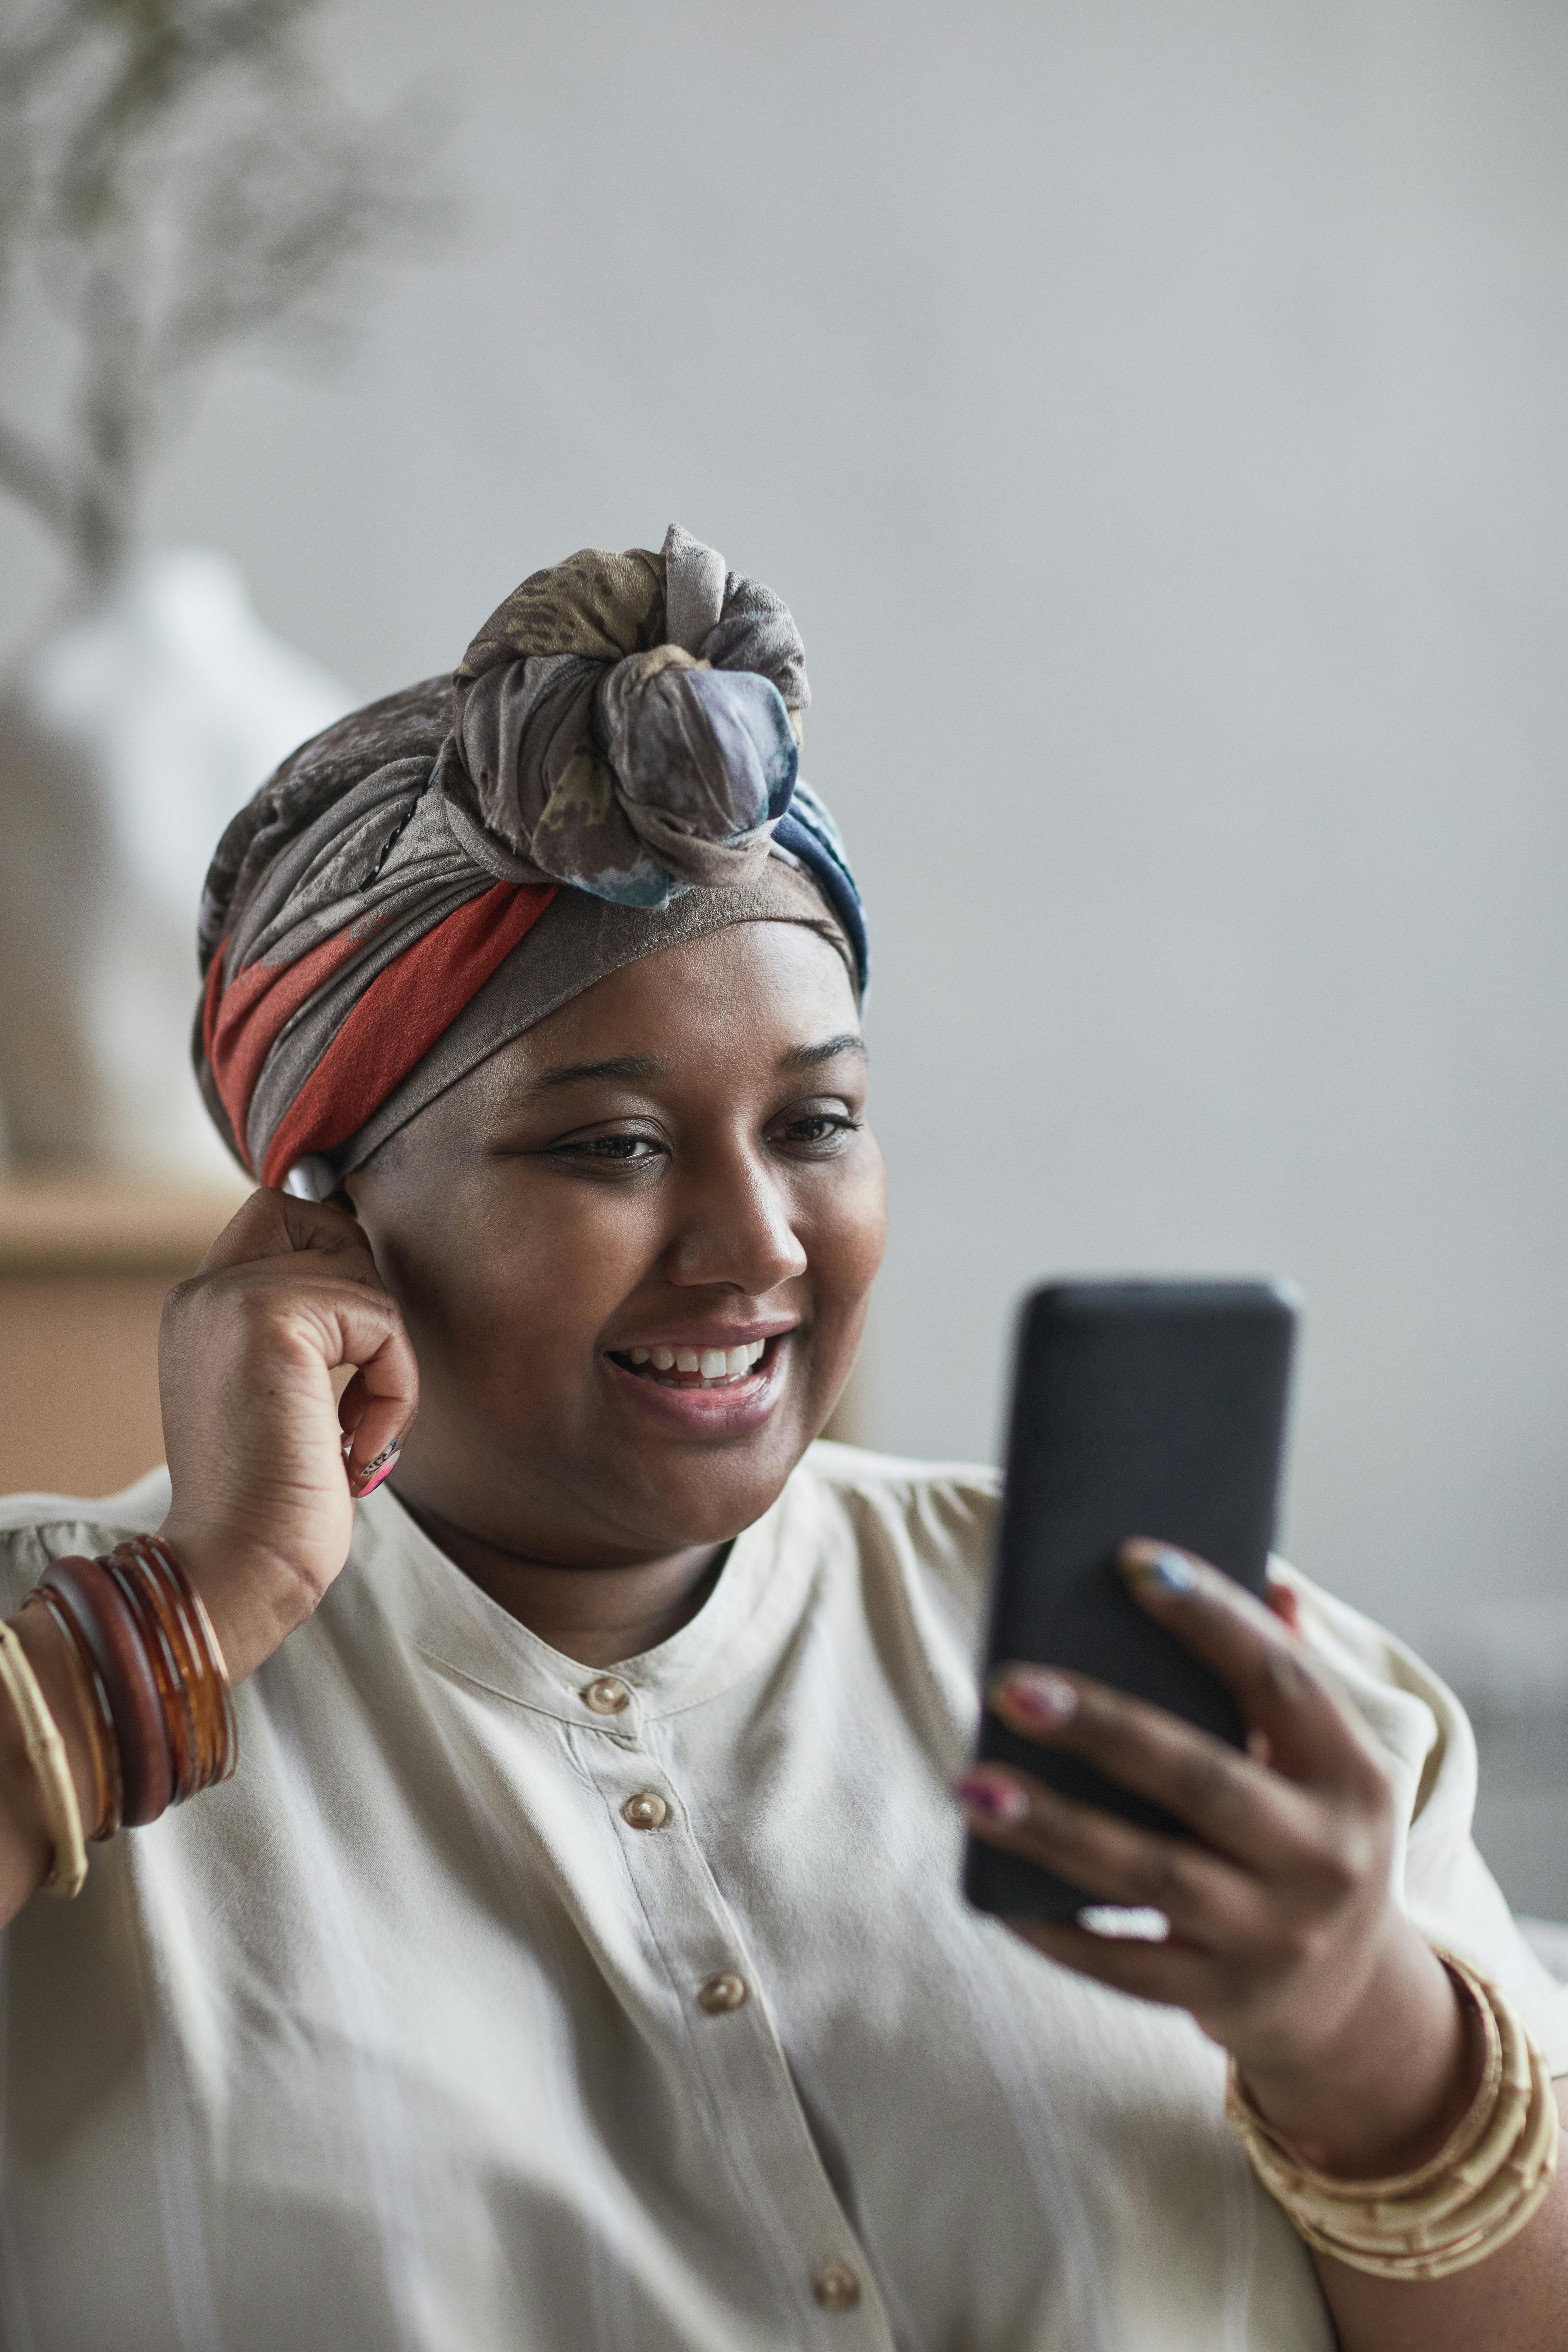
(815, 1133)
(609, 1151)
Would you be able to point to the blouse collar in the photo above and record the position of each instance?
(757, 1599)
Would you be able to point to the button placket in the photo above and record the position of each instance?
(745, 2080)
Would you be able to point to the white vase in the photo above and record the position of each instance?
(130, 734)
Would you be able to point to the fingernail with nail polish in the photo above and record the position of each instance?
(1039, 1698)
(1157, 1564)
(372, 1473)
(1002, 1799)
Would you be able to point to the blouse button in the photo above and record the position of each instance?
(607, 1695)
(835, 2287)
(645, 1811)
(720, 1994)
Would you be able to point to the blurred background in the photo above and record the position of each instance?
(1154, 418)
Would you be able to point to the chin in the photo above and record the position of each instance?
(711, 1496)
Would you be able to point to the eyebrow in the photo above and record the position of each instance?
(641, 1069)
(806, 1057)
(631, 1069)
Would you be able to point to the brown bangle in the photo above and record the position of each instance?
(96, 1606)
(98, 1722)
(217, 1725)
(188, 1662)
(176, 1709)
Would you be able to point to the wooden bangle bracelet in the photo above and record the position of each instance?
(169, 1671)
(98, 1609)
(212, 1694)
(187, 1662)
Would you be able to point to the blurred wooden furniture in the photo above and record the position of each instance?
(86, 1260)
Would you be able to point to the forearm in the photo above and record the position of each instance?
(1515, 2301)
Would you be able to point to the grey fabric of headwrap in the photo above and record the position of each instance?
(651, 739)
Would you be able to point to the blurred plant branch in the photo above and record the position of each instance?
(174, 175)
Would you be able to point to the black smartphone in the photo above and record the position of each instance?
(1139, 1408)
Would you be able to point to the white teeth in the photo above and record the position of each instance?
(711, 1364)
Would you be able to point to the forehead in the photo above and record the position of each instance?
(735, 999)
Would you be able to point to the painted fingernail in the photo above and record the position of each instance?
(1155, 1567)
(1040, 1697)
(1002, 1801)
(371, 1476)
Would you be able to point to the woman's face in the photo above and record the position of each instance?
(673, 1166)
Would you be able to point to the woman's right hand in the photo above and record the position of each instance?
(263, 1498)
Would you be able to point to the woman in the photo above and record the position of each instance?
(575, 1955)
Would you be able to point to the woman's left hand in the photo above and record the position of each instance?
(1286, 1942)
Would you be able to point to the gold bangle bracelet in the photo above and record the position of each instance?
(1492, 2175)
(46, 1752)
(98, 1723)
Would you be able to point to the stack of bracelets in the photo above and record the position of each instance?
(1479, 2190)
(153, 1688)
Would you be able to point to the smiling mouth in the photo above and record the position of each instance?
(694, 1367)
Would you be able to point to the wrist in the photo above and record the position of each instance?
(254, 1598)
(1380, 2092)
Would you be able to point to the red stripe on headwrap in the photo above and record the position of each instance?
(241, 1024)
(397, 1020)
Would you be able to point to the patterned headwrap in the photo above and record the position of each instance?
(614, 762)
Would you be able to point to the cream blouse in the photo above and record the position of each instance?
(498, 2005)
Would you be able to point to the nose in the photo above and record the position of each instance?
(736, 1233)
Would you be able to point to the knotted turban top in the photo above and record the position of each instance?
(612, 769)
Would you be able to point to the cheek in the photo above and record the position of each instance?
(845, 1235)
(519, 1263)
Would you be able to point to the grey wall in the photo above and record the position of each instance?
(1155, 416)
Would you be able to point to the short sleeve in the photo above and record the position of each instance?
(37, 1528)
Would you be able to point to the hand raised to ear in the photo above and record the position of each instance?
(263, 1496)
